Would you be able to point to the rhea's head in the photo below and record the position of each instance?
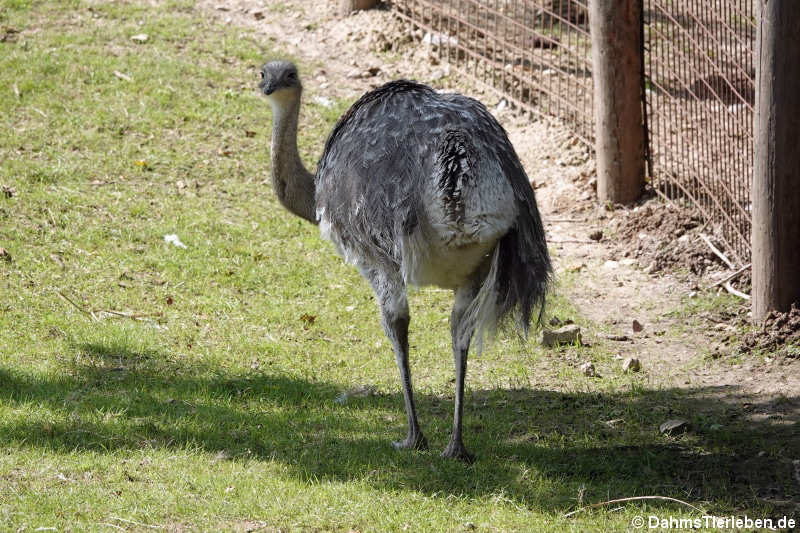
(279, 81)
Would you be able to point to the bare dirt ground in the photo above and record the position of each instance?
(627, 264)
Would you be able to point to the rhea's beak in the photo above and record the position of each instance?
(267, 86)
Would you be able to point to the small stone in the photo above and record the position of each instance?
(588, 369)
(569, 334)
(631, 364)
(140, 38)
(258, 15)
(7, 191)
(637, 326)
(355, 74)
(673, 426)
(596, 235)
(4, 255)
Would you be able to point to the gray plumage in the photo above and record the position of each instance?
(418, 188)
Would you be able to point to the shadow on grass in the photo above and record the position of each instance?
(538, 448)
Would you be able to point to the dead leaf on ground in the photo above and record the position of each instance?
(308, 319)
(222, 455)
(673, 426)
(8, 35)
(358, 392)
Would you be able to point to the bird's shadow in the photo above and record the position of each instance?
(568, 442)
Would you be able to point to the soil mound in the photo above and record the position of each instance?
(665, 238)
(780, 333)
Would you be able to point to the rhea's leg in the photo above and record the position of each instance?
(461, 329)
(391, 293)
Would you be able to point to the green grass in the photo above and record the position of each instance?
(216, 409)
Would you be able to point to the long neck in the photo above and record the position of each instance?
(293, 184)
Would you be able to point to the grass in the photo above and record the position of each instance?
(216, 410)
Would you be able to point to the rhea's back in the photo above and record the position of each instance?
(383, 173)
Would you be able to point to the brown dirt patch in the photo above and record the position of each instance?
(779, 335)
(665, 238)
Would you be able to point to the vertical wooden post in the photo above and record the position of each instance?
(617, 48)
(776, 172)
(348, 6)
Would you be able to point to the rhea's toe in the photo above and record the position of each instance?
(412, 442)
(456, 450)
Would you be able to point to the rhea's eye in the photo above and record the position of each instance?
(262, 74)
(292, 75)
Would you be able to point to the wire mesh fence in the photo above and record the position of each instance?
(699, 100)
(699, 84)
(536, 53)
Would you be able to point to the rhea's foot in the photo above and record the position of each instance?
(456, 450)
(414, 441)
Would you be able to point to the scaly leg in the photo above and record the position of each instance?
(391, 293)
(461, 333)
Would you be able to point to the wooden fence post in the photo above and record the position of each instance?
(776, 169)
(617, 48)
(348, 6)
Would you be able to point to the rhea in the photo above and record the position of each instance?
(419, 188)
